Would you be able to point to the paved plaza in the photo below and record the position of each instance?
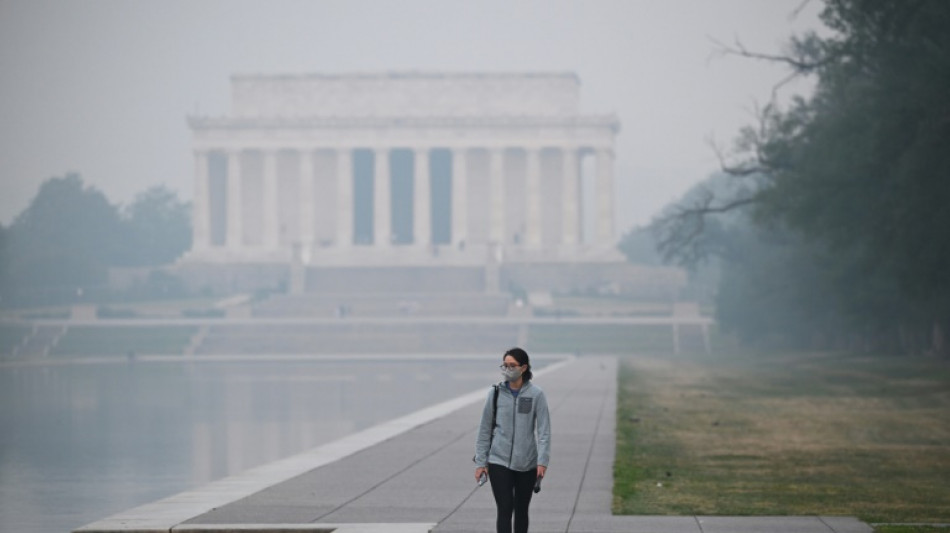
(415, 474)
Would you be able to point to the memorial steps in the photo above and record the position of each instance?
(392, 279)
(25, 341)
(563, 308)
(381, 305)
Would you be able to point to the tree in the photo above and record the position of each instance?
(157, 228)
(68, 237)
(638, 246)
(64, 239)
(4, 260)
(857, 172)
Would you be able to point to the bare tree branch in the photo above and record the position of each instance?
(782, 83)
(742, 170)
(798, 10)
(679, 233)
(801, 66)
(724, 208)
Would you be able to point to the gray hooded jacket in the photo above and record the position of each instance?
(522, 430)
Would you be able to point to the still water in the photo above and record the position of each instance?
(80, 442)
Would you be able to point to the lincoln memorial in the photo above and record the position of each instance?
(404, 169)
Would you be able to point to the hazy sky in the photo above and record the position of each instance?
(103, 87)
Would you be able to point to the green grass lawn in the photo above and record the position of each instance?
(799, 434)
(911, 529)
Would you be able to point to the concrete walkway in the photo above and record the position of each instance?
(415, 475)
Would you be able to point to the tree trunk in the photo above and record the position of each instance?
(938, 340)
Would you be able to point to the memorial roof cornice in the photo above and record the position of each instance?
(408, 74)
(203, 122)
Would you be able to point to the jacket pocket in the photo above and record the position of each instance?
(525, 405)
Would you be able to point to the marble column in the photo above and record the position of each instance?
(422, 199)
(496, 168)
(201, 207)
(605, 196)
(382, 203)
(533, 198)
(344, 197)
(306, 199)
(571, 197)
(459, 196)
(271, 231)
(235, 233)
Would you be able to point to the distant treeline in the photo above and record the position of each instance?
(832, 224)
(60, 248)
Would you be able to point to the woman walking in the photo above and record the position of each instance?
(514, 451)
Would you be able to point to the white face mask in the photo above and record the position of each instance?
(511, 374)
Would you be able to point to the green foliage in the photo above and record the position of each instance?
(850, 205)
(910, 529)
(639, 246)
(4, 257)
(778, 288)
(65, 238)
(693, 230)
(60, 248)
(864, 162)
(158, 228)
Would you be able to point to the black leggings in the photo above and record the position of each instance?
(513, 491)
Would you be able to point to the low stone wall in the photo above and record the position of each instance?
(322, 305)
(649, 283)
(639, 281)
(355, 337)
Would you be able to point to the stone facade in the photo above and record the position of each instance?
(405, 95)
(402, 169)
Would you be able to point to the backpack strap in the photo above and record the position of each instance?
(494, 413)
(494, 406)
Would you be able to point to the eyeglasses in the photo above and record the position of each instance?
(509, 365)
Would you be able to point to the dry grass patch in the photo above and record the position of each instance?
(802, 434)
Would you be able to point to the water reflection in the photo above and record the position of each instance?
(80, 442)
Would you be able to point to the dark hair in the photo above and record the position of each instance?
(522, 357)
